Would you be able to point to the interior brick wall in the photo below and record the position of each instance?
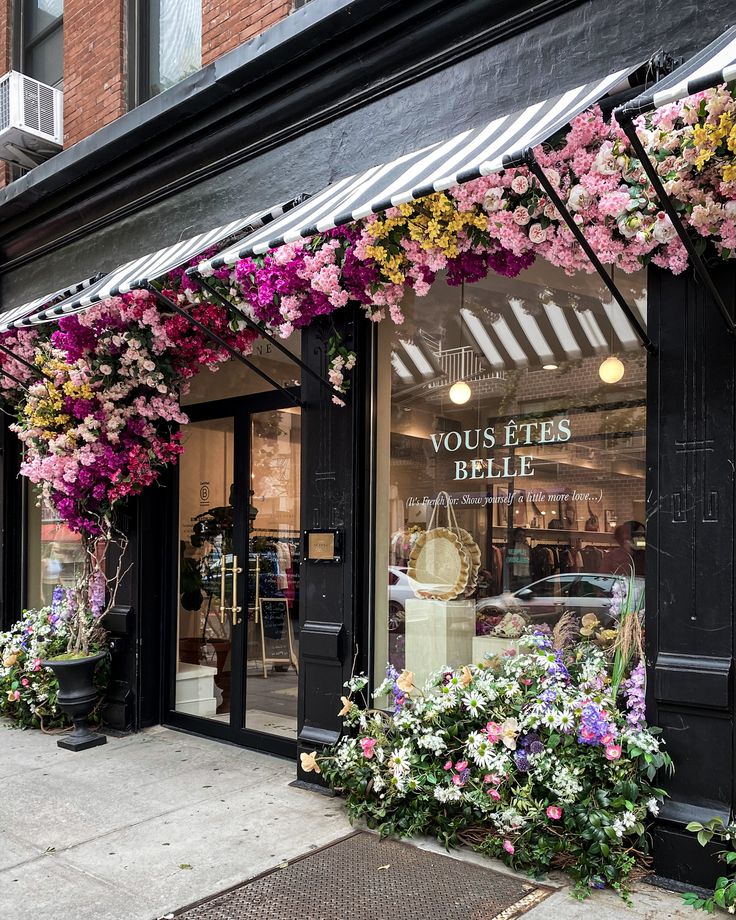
(228, 23)
(94, 66)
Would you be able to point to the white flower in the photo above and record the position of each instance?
(520, 184)
(473, 702)
(653, 806)
(605, 162)
(400, 761)
(447, 793)
(578, 198)
(537, 233)
(663, 230)
(493, 200)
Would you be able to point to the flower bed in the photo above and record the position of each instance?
(527, 757)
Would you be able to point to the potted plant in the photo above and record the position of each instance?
(86, 604)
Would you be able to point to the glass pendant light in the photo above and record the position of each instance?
(460, 391)
(612, 369)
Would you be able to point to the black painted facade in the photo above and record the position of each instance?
(339, 86)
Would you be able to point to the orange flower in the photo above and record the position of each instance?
(346, 706)
(309, 763)
(465, 676)
(10, 660)
(405, 681)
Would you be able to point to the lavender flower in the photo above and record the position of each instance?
(97, 594)
(635, 697)
(57, 603)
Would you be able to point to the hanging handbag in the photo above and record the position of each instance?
(442, 564)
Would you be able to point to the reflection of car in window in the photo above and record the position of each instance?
(547, 599)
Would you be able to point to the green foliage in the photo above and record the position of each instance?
(28, 690)
(527, 758)
(724, 893)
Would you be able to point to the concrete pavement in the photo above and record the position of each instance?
(152, 822)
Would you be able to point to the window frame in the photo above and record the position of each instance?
(139, 56)
(22, 48)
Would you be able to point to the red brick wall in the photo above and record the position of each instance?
(95, 53)
(94, 66)
(228, 23)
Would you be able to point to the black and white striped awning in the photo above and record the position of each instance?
(469, 155)
(712, 66)
(11, 319)
(137, 273)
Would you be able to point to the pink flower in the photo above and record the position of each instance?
(458, 780)
(509, 847)
(494, 794)
(461, 765)
(519, 184)
(368, 744)
(607, 739)
(493, 731)
(24, 681)
(448, 765)
(537, 233)
(521, 216)
(554, 812)
(613, 751)
(36, 664)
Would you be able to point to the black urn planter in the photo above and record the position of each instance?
(77, 697)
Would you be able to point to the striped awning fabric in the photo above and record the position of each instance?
(137, 273)
(513, 338)
(712, 66)
(466, 156)
(10, 319)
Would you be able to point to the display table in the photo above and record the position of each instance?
(438, 634)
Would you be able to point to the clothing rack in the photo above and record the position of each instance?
(286, 534)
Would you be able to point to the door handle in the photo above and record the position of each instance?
(234, 610)
(223, 572)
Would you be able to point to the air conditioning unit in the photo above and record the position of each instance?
(31, 120)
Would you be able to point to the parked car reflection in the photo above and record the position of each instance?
(547, 599)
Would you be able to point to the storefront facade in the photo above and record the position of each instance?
(306, 513)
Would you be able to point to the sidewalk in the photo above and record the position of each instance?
(153, 822)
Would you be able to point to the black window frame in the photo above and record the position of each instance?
(21, 48)
(139, 56)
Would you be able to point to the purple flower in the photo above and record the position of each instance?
(635, 697)
(97, 594)
(594, 727)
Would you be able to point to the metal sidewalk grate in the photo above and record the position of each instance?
(362, 877)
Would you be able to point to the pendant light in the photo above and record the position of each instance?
(612, 369)
(460, 391)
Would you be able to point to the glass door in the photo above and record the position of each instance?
(237, 591)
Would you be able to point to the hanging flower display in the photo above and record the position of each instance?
(104, 419)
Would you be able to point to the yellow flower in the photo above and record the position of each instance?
(465, 676)
(405, 681)
(10, 660)
(309, 763)
(346, 706)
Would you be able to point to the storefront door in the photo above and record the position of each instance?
(236, 609)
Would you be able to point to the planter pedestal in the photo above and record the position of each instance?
(77, 697)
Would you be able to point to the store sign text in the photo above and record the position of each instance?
(510, 436)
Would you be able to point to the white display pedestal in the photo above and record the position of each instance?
(438, 634)
(195, 689)
(490, 646)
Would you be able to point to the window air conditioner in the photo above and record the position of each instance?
(31, 120)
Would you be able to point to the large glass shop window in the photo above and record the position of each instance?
(513, 486)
